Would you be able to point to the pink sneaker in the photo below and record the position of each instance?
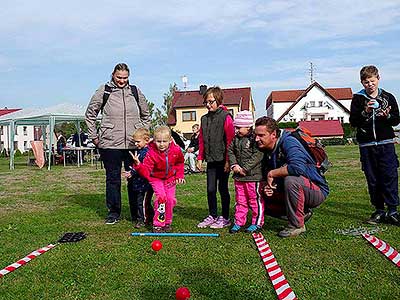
(220, 223)
(207, 222)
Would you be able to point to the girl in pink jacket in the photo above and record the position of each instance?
(163, 167)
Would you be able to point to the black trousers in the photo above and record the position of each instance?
(217, 177)
(380, 164)
(112, 159)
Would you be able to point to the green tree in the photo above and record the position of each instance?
(160, 116)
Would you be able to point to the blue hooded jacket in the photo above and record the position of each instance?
(289, 151)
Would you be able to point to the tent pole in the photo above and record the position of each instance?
(52, 122)
(11, 144)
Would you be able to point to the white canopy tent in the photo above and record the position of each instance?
(42, 117)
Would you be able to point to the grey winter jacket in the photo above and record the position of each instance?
(121, 115)
(243, 151)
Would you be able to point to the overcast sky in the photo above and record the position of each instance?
(55, 52)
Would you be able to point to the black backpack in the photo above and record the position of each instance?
(108, 90)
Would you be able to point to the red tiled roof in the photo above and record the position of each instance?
(232, 96)
(292, 95)
(8, 111)
(323, 128)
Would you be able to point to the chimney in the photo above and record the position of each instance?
(203, 89)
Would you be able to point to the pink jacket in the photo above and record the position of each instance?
(168, 165)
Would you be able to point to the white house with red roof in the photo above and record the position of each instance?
(23, 134)
(187, 106)
(312, 104)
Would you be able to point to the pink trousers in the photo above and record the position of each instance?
(164, 201)
(247, 195)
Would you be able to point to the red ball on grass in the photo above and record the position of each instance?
(182, 293)
(156, 245)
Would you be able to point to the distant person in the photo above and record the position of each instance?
(124, 109)
(374, 111)
(216, 134)
(292, 180)
(61, 142)
(193, 149)
(245, 163)
(79, 139)
(163, 167)
(139, 189)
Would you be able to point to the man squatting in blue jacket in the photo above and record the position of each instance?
(292, 181)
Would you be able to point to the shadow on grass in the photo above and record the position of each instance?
(95, 202)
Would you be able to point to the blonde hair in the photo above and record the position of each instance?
(142, 133)
(162, 130)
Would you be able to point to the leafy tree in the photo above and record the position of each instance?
(160, 116)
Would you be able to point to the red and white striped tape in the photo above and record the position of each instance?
(384, 248)
(281, 286)
(24, 260)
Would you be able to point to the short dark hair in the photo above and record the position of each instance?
(121, 67)
(269, 123)
(217, 92)
(368, 71)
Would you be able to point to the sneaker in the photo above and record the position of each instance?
(158, 229)
(393, 218)
(253, 228)
(235, 228)
(207, 222)
(220, 223)
(307, 214)
(139, 224)
(376, 218)
(291, 231)
(168, 228)
(111, 220)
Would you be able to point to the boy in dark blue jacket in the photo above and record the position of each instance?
(139, 189)
(374, 111)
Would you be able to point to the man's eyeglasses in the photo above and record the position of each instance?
(209, 102)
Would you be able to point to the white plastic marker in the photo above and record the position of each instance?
(24, 260)
(281, 286)
(384, 248)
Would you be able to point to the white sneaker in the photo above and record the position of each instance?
(207, 222)
(220, 223)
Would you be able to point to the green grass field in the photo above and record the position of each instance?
(38, 206)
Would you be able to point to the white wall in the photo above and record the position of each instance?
(22, 137)
(329, 110)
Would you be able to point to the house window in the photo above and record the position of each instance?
(312, 103)
(330, 118)
(320, 103)
(341, 119)
(317, 117)
(189, 116)
(25, 130)
(16, 130)
(1, 130)
(15, 145)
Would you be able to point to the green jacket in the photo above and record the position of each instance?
(243, 151)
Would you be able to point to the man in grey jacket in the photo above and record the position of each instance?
(122, 113)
